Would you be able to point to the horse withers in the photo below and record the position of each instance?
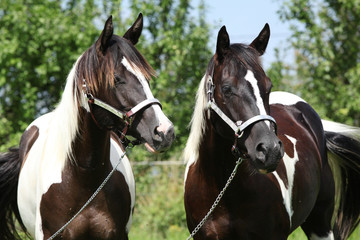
(66, 154)
(290, 162)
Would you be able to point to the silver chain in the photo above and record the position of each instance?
(92, 196)
(217, 200)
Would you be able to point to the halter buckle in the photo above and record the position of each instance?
(210, 89)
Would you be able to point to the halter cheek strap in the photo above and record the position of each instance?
(238, 127)
(126, 117)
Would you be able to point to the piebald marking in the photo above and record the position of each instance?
(290, 173)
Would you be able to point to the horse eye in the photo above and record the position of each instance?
(119, 80)
(227, 90)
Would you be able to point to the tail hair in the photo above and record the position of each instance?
(9, 173)
(343, 147)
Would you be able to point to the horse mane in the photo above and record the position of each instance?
(64, 123)
(198, 121)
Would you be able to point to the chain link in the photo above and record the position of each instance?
(92, 196)
(217, 200)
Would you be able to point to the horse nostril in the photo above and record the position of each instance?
(167, 132)
(281, 149)
(261, 150)
(159, 135)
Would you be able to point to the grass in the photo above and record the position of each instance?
(159, 212)
(175, 233)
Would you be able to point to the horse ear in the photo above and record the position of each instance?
(223, 43)
(103, 42)
(261, 41)
(134, 32)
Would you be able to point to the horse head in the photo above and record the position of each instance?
(115, 78)
(239, 88)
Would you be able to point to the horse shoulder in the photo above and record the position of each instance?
(300, 114)
(298, 174)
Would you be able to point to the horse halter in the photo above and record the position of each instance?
(239, 126)
(126, 117)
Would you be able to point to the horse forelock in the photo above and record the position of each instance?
(136, 60)
(98, 73)
(98, 70)
(248, 58)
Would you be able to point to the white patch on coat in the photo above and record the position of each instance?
(349, 131)
(330, 236)
(290, 173)
(58, 129)
(284, 98)
(125, 169)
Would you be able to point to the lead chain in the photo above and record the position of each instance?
(217, 200)
(92, 196)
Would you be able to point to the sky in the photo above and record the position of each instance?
(244, 19)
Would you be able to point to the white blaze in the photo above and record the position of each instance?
(164, 122)
(259, 102)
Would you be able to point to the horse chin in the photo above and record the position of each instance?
(265, 171)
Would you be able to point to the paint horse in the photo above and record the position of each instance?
(66, 154)
(295, 170)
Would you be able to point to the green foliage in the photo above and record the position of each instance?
(326, 37)
(176, 46)
(280, 74)
(159, 209)
(39, 42)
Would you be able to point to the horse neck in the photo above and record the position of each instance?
(216, 159)
(92, 145)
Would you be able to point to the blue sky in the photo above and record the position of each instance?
(244, 20)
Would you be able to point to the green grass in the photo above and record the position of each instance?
(175, 233)
(159, 211)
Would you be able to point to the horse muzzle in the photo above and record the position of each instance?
(268, 154)
(164, 135)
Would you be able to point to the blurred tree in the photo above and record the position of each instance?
(176, 44)
(326, 36)
(40, 40)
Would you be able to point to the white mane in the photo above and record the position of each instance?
(64, 121)
(197, 124)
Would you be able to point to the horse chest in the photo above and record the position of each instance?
(107, 217)
(243, 213)
(246, 222)
(93, 224)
